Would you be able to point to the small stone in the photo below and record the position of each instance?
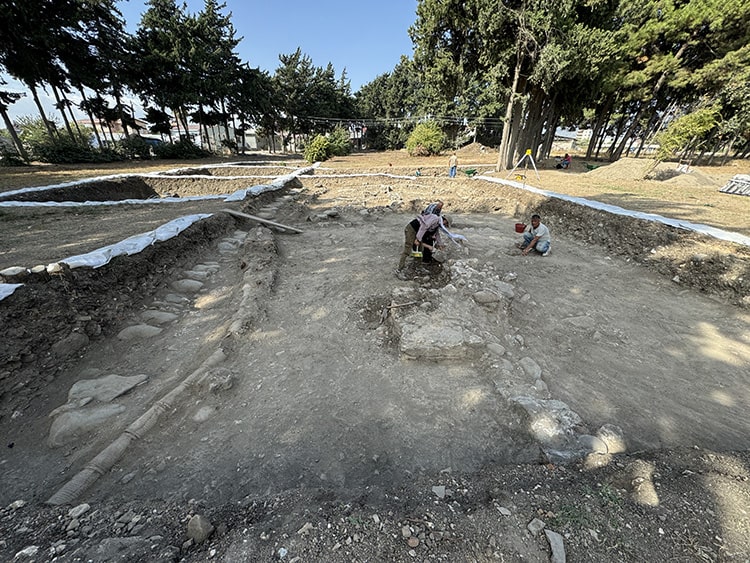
(406, 531)
(496, 349)
(29, 552)
(78, 510)
(187, 286)
(413, 542)
(304, 530)
(439, 490)
(16, 504)
(14, 274)
(558, 547)
(73, 525)
(138, 331)
(199, 528)
(535, 526)
(484, 297)
(530, 367)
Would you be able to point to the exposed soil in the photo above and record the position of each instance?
(314, 407)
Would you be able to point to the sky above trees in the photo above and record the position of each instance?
(365, 38)
(510, 73)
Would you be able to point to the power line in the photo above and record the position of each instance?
(446, 120)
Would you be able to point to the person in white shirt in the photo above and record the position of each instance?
(536, 237)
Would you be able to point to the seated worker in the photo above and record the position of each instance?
(424, 232)
(535, 237)
(565, 162)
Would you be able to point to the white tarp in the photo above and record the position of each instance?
(118, 202)
(237, 195)
(137, 243)
(134, 244)
(129, 246)
(7, 289)
(687, 225)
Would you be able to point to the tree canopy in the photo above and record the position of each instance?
(507, 73)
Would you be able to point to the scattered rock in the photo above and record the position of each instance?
(69, 426)
(138, 331)
(105, 389)
(535, 526)
(199, 529)
(557, 545)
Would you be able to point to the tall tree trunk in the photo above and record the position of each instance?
(618, 132)
(743, 151)
(515, 132)
(178, 123)
(649, 137)
(12, 132)
(75, 121)
(69, 107)
(505, 156)
(725, 158)
(61, 109)
(531, 129)
(641, 108)
(226, 122)
(600, 126)
(118, 101)
(205, 128)
(47, 122)
(91, 117)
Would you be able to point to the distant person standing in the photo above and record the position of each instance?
(452, 165)
(535, 237)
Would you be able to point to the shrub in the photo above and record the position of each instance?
(134, 147)
(182, 149)
(338, 142)
(229, 144)
(426, 139)
(317, 149)
(9, 157)
(60, 148)
(64, 150)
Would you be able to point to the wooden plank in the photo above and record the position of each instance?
(259, 220)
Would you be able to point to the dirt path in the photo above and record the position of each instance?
(299, 399)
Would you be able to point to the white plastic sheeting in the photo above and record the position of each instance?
(278, 183)
(137, 243)
(687, 225)
(134, 244)
(7, 289)
(237, 195)
(118, 202)
(129, 246)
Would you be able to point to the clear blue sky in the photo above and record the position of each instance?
(365, 37)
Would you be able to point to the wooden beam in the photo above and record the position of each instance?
(259, 220)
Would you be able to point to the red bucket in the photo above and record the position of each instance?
(520, 227)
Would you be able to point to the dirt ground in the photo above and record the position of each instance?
(312, 406)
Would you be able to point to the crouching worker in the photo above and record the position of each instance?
(423, 232)
(535, 237)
